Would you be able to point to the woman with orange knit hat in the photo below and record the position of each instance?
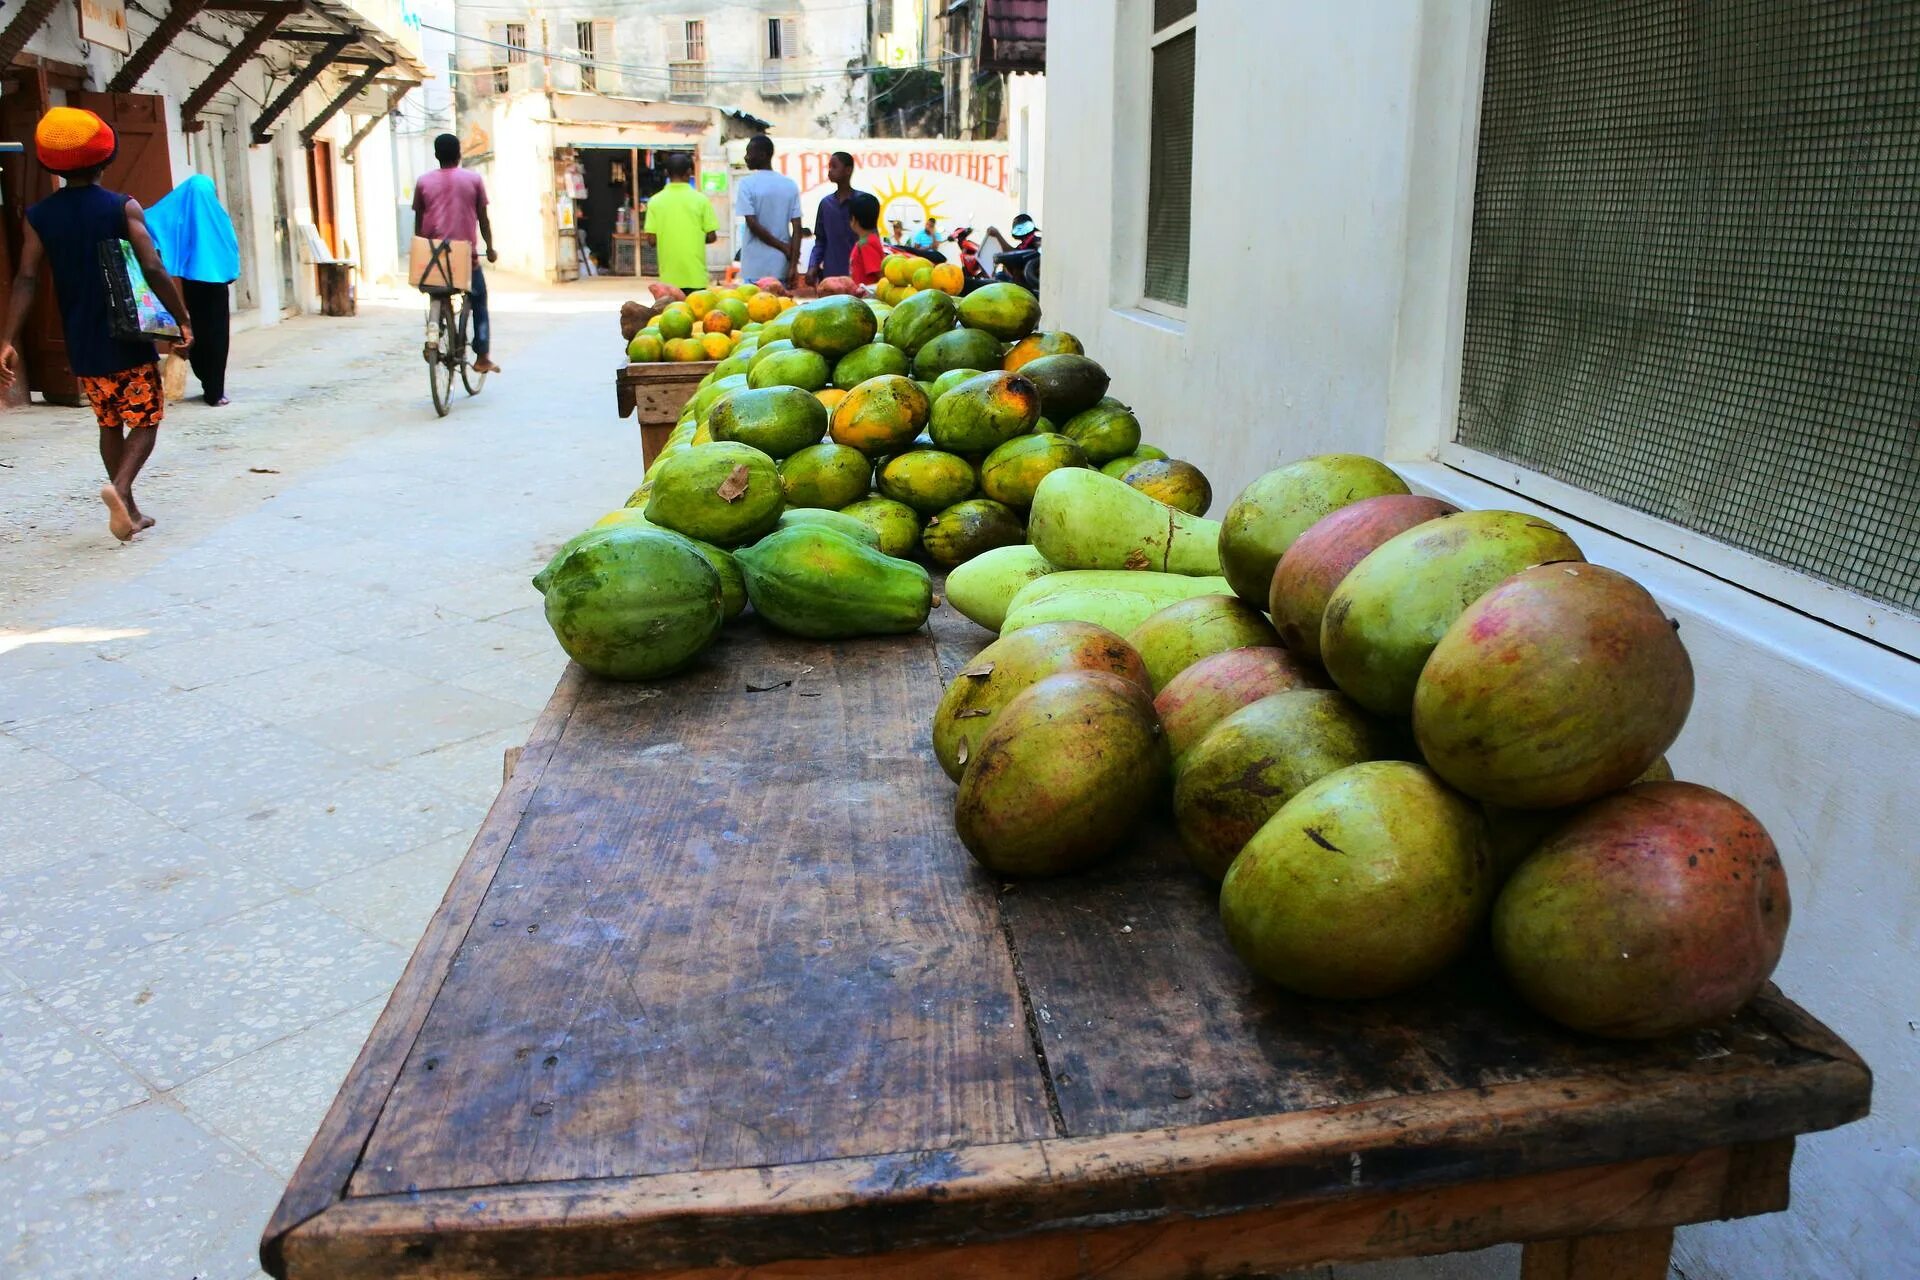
(120, 378)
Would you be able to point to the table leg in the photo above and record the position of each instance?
(1624, 1255)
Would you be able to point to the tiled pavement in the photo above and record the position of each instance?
(240, 759)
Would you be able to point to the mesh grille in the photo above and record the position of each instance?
(1695, 279)
(1170, 171)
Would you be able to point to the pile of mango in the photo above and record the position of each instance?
(708, 324)
(1384, 726)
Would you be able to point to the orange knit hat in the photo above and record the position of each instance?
(69, 139)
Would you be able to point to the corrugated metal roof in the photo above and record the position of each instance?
(1014, 35)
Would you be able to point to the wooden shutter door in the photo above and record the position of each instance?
(143, 168)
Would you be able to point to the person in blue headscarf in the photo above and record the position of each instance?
(196, 241)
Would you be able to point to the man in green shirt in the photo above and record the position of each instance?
(680, 225)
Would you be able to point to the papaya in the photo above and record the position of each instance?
(833, 326)
(857, 529)
(880, 416)
(983, 587)
(966, 529)
(949, 380)
(733, 588)
(735, 363)
(1044, 343)
(897, 523)
(1061, 779)
(725, 493)
(984, 412)
(1010, 666)
(1084, 520)
(812, 581)
(807, 370)
(624, 515)
(705, 397)
(1118, 600)
(927, 480)
(1119, 467)
(825, 475)
(777, 329)
(957, 349)
(767, 349)
(869, 361)
(919, 320)
(1107, 430)
(1007, 311)
(778, 421)
(1180, 485)
(632, 603)
(1013, 471)
(1067, 384)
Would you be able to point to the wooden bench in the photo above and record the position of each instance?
(717, 993)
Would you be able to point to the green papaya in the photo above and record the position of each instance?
(919, 320)
(735, 363)
(633, 603)
(869, 361)
(928, 480)
(1006, 311)
(968, 528)
(825, 475)
(778, 421)
(853, 528)
(1084, 520)
(983, 587)
(716, 388)
(957, 349)
(725, 493)
(778, 329)
(984, 412)
(1013, 471)
(897, 523)
(817, 582)
(833, 326)
(1106, 431)
(767, 349)
(1067, 384)
(807, 370)
(951, 379)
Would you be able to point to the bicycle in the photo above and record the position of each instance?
(446, 347)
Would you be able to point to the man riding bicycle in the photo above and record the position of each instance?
(450, 203)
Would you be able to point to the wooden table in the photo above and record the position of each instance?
(657, 391)
(717, 993)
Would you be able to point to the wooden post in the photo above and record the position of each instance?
(1625, 1255)
(250, 44)
(175, 21)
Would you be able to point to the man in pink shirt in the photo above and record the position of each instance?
(451, 204)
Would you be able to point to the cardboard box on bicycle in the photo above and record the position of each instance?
(440, 264)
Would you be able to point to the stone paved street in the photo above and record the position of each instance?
(241, 757)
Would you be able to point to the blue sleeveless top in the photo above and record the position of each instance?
(71, 223)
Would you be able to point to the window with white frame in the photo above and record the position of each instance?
(509, 50)
(687, 69)
(1694, 281)
(1170, 154)
(780, 64)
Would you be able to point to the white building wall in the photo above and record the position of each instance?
(1026, 111)
(1327, 247)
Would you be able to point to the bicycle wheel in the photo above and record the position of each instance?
(470, 378)
(440, 355)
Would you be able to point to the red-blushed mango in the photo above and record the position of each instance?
(1513, 834)
(1283, 504)
(1370, 881)
(1216, 687)
(1384, 618)
(1652, 912)
(1321, 558)
(1559, 685)
(1010, 666)
(1185, 632)
(1257, 759)
(1061, 779)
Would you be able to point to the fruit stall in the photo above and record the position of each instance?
(950, 854)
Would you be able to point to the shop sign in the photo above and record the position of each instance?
(104, 22)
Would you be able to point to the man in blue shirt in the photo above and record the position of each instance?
(832, 231)
(769, 204)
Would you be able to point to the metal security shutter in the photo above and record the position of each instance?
(1170, 170)
(1694, 286)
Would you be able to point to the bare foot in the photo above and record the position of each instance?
(485, 364)
(119, 519)
(142, 522)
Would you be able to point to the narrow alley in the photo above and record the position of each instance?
(244, 753)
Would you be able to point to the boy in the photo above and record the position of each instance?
(120, 379)
(864, 262)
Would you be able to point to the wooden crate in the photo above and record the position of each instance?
(658, 392)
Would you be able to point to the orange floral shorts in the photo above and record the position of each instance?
(131, 398)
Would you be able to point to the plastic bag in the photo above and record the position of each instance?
(133, 312)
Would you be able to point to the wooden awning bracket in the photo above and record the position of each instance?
(394, 94)
(348, 92)
(22, 27)
(322, 58)
(271, 16)
(175, 21)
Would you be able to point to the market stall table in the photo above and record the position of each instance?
(717, 992)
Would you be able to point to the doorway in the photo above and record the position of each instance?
(618, 181)
(283, 234)
(320, 193)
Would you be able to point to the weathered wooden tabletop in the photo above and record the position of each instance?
(717, 988)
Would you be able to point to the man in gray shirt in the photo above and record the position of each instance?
(769, 202)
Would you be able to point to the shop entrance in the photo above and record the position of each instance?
(618, 181)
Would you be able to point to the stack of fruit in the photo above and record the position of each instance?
(708, 324)
(1386, 724)
(904, 274)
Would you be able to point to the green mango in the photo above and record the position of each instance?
(919, 320)
(956, 349)
(1278, 507)
(633, 603)
(951, 379)
(1084, 520)
(1068, 384)
(812, 581)
(1107, 431)
(966, 529)
(869, 361)
(778, 329)
(825, 475)
(691, 493)
(927, 480)
(778, 421)
(807, 370)
(983, 587)
(1119, 600)
(767, 349)
(984, 412)
(1120, 466)
(833, 326)
(1013, 471)
(897, 523)
(1005, 310)
(711, 393)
